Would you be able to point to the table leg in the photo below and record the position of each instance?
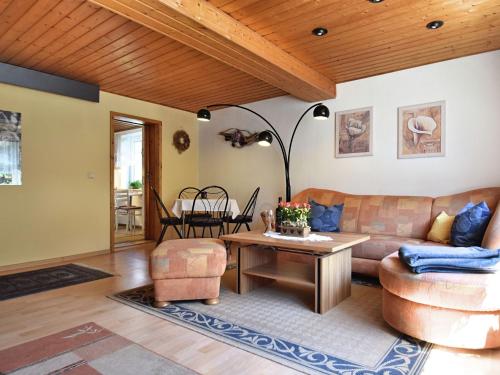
(183, 229)
(333, 280)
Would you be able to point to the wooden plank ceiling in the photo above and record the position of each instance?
(79, 40)
(367, 39)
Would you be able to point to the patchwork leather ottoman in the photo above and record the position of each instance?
(187, 269)
(460, 310)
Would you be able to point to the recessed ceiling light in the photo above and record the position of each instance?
(433, 25)
(375, 1)
(320, 31)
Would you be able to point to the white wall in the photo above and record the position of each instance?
(470, 86)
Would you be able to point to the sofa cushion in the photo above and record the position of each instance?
(491, 239)
(176, 259)
(395, 216)
(352, 205)
(379, 246)
(470, 224)
(325, 218)
(469, 291)
(441, 228)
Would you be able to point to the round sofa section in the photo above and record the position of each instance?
(452, 309)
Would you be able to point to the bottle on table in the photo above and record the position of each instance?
(278, 215)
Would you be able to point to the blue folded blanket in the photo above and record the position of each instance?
(474, 259)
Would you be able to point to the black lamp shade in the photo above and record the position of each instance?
(203, 115)
(321, 112)
(265, 138)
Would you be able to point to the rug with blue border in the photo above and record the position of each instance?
(277, 322)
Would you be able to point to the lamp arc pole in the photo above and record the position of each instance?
(274, 132)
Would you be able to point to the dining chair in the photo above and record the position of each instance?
(165, 218)
(246, 217)
(209, 210)
(188, 192)
(124, 207)
(122, 200)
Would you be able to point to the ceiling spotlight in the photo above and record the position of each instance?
(320, 31)
(375, 1)
(433, 25)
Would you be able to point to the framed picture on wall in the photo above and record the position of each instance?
(10, 148)
(421, 130)
(354, 132)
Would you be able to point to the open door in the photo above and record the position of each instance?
(135, 164)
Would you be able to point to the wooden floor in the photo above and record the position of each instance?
(26, 318)
(124, 235)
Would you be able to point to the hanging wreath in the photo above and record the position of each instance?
(181, 141)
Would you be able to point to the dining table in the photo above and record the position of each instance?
(181, 206)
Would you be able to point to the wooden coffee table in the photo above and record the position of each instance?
(329, 275)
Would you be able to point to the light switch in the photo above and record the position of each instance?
(91, 175)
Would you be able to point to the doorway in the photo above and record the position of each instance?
(135, 167)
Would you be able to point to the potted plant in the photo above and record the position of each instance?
(135, 184)
(295, 219)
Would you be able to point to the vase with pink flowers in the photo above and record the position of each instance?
(295, 219)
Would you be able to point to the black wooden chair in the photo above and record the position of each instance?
(246, 216)
(209, 210)
(165, 218)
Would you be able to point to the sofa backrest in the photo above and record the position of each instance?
(395, 215)
(451, 204)
(404, 216)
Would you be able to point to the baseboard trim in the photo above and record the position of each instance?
(36, 263)
(143, 244)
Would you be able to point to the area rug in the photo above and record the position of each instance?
(85, 350)
(24, 283)
(277, 323)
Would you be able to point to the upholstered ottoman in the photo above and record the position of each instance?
(187, 269)
(451, 309)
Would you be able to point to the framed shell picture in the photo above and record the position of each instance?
(354, 132)
(421, 130)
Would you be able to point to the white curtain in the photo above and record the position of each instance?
(128, 158)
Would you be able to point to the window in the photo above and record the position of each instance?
(128, 158)
(10, 148)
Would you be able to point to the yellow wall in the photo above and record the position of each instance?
(59, 211)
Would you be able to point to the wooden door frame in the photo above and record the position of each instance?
(152, 151)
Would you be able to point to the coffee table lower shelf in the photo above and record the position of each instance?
(291, 272)
(329, 275)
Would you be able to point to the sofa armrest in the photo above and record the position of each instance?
(491, 239)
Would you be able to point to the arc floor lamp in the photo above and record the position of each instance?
(265, 137)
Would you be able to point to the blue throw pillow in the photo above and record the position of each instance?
(470, 224)
(324, 218)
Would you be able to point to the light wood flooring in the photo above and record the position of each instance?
(123, 235)
(26, 318)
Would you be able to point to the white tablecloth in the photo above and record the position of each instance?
(312, 237)
(186, 205)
